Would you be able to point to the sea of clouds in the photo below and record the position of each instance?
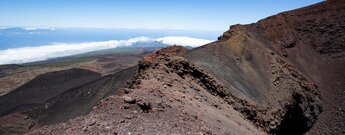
(55, 50)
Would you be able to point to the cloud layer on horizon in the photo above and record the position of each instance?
(40, 53)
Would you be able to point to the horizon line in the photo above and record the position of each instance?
(95, 27)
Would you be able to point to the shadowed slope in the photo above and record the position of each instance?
(44, 87)
(249, 58)
(75, 98)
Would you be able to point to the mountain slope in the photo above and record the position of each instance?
(167, 96)
(45, 87)
(32, 105)
(185, 99)
(269, 83)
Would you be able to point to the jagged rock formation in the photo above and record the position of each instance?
(169, 90)
(168, 95)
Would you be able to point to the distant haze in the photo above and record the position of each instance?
(44, 52)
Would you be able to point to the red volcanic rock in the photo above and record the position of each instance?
(168, 51)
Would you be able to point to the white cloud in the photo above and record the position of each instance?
(40, 53)
(38, 28)
(184, 41)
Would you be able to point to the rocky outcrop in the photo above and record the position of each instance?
(168, 95)
(167, 83)
(168, 51)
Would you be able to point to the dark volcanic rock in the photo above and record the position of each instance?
(72, 93)
(311, 39)
(44, 87)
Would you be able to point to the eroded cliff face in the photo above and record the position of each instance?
(290, 105)
(278, 97)
(312, 39)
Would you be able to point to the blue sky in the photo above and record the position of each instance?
(176, 14)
